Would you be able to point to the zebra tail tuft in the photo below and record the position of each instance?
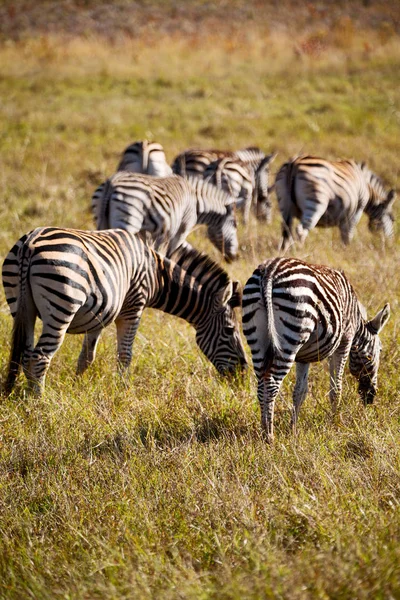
(104, 212)
(20, 327)
(18, 343)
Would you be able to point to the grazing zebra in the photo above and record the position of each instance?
(236, 178)
(168, 208)
(145, 157)
(195, 162)
(324, 193)
(294, 311)
(81, 281)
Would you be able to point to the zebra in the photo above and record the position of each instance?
(145, 157)
(294, 311)
(81, 281)
(195, 162)
(327, 193)
(167, 208)
(236, 178)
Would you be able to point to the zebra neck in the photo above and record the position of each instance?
(361, 331)
(210, 200)
(375, 187)
(177, 293)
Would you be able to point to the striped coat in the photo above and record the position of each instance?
(80, 282)
(236, 178)
(167, 209)
(296, 312)
(195, 162)
(331, 193)
(145, 157)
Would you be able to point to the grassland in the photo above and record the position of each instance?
(164, 487)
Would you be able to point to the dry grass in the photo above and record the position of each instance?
(164, 488)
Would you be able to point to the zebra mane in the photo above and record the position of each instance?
(200, 266)
(252, 153)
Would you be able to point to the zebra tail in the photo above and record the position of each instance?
(104, 214)
(20, 327)
(181, 165)
(274, 347)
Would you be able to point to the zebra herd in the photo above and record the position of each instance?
(293, 312)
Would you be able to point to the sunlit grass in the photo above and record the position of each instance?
(162, 486)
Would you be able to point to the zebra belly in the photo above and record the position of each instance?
(334, 214)
(88, 320)
(318, 347)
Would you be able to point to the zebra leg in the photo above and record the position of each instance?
(247, 206)
(309, 219)
(301, 233)
(38, 362)
(126, 332)
(300, 391)
(287, 238)
(348, 226)
(269, 390)
(88, 352)
(336, 366)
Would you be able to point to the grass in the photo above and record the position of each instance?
(164, 487)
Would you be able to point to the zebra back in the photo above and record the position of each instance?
(145, 157)
(195, 161)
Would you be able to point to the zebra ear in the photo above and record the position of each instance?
(272, 157)
(225, 294)
(390, 198)
(363, 310)
(236, 298)
(376, 324)
(267, 161)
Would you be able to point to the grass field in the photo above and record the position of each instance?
(164, 488)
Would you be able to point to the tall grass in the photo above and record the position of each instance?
(163, 486)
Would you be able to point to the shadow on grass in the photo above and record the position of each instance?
(167, 436)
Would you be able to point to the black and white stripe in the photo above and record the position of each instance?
(327, 193)
(195, 162)
(296, 312)
(236, 178)
(145, 157)
(167, 208)
(80, 282)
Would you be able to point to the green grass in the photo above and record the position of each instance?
(162, 487)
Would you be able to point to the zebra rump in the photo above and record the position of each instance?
(145, 157)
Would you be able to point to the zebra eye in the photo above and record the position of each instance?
(229, 329)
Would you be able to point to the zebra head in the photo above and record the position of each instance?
(381, 215)
(365, 353)
(262, 191)
(218, 334)
(222, 232)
